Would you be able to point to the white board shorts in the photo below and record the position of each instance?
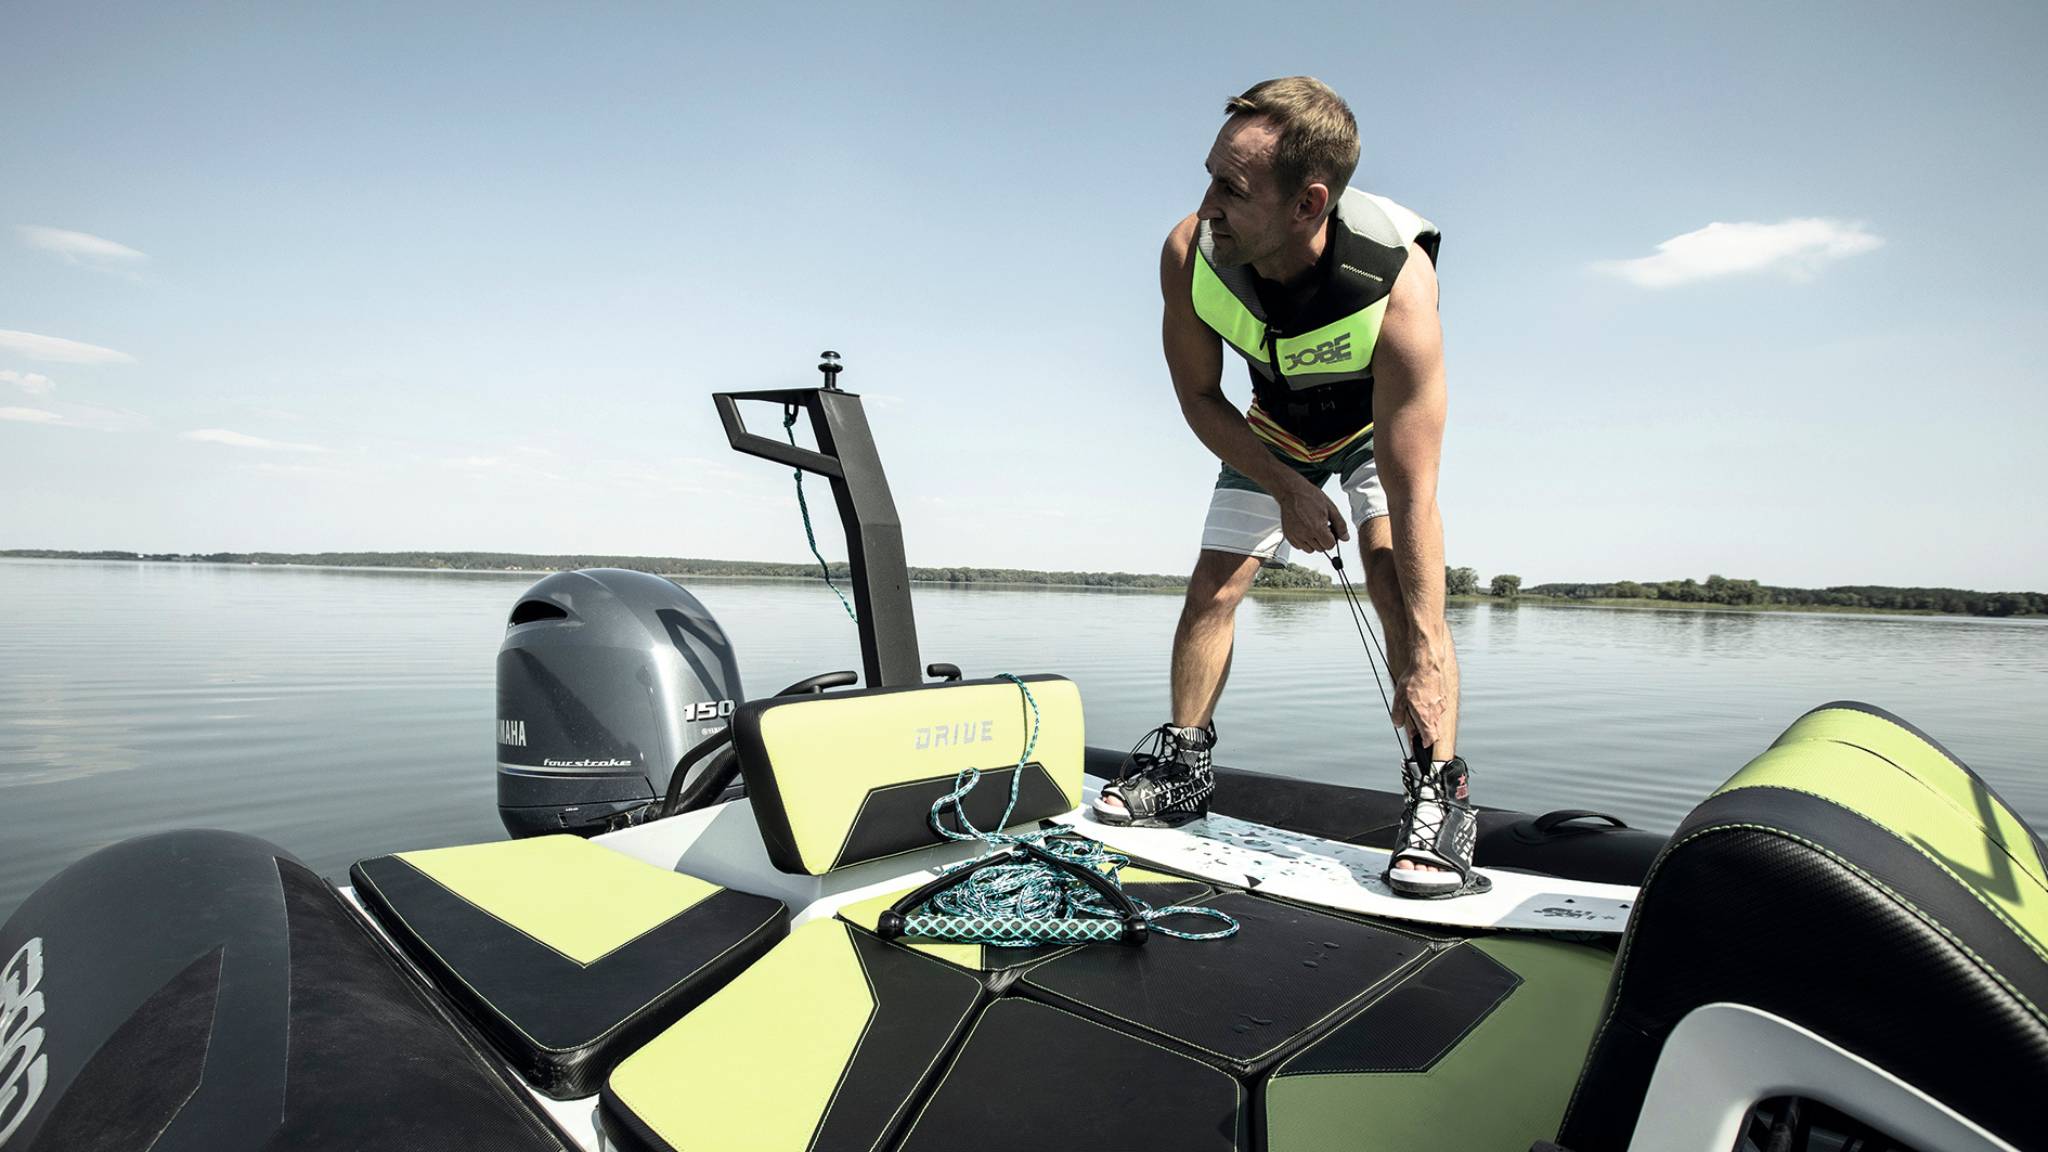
(1244, 520)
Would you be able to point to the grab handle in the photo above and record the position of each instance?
(1550, 822)
(742, 440)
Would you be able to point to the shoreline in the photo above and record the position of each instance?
(1520, 600)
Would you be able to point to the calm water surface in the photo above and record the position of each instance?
(343, 713)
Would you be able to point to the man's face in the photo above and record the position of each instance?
(1250, 216)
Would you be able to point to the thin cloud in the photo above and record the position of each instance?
(31, 415)
(57, 350)
(80, 247)
(101, 418)
(33, 383)
(1797, 248)
(273, 469)
(235, 439)
(528, 468)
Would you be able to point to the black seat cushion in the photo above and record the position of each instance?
(1032, 1077)
(567, 954)
(1242, 1001)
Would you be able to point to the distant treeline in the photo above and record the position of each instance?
(660, 565)
(1722, 590)
(1457, 581)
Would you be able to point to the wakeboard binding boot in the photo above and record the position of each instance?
(1438, 828)
(1166, 781)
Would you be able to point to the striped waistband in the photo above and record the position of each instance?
(1264, 427)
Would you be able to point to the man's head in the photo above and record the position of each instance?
(1277, 168)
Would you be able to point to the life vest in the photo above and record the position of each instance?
(1312, 384)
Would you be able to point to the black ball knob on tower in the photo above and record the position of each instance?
(831, 367)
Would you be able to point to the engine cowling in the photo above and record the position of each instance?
(606, 678)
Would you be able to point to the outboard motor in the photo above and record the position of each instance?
(606, 678)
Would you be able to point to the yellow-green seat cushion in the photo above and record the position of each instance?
(839, 779)
(820, 1046)
(1476, 1051)
(566, 953)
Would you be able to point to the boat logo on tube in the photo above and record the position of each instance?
(953, 735)
(24, 1068)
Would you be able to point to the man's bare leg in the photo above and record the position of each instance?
(1203, 639)
(1376, 552)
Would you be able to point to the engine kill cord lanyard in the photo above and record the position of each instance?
(1030, 890)
(789, 430)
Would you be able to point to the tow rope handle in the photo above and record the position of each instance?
(1128, 927)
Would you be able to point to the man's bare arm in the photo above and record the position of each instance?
(1408, 414)
(1194, 358)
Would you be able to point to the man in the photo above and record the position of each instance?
(1330, 296)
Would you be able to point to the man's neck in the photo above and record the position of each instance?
(1290, 264)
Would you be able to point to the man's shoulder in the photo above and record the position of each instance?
(1180, 246)
(1176, 258)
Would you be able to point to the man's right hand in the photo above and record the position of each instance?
(1309, 519)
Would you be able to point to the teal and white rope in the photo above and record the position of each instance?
(999, 905)
(789, 430)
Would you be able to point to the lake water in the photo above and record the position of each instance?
(342, 713)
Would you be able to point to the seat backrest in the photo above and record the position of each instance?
(1860, 882)
(846, 777)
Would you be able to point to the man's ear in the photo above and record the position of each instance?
(1313, 201)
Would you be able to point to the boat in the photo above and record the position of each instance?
(704, 932)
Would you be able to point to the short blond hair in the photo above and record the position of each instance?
(1318, 135)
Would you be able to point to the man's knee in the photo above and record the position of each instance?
(1219, 582)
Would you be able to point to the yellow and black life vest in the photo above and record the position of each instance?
(1312, 384)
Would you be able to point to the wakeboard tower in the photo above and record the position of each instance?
(1844, 946)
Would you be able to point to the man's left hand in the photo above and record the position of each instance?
(1421, 699)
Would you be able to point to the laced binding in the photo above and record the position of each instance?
(1427, 823)
(1176, 781)
(1038, 888)
(1428, 810)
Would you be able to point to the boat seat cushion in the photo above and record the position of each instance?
(1032, 1077)
(568, 955)
(821, 1046)
(1240, 1002)
(1158, 889)
(847, 777)
(1504, 1020)
(1858, 881)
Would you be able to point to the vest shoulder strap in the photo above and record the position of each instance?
(1386, 223)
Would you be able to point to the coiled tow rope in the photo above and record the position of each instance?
(1039, 888)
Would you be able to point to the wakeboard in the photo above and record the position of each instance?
(1350, 877)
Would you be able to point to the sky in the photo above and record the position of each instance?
(1742, 289)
